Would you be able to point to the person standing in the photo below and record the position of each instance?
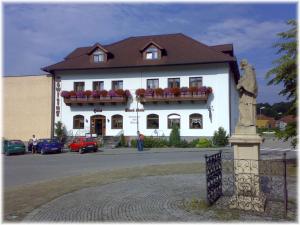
(34, 144)
(140, 141)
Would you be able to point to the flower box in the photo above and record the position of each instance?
(96, 97)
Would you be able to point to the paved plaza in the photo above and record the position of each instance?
(155, 198)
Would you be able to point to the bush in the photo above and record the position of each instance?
(220, 138)
(204, 143)
(133, 143)
(184, 144)
(150, 142)
(174, 137)
(122, 141)
(193, 143)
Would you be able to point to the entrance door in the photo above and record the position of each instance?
(98, 125)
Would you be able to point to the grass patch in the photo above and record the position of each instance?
(227, 215)
(19, 201)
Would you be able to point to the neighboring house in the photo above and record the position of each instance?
(263, 121)
(282, 122)
(27, 107)
(207, 76)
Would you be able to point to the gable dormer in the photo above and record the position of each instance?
(152, 51)
(98, 54)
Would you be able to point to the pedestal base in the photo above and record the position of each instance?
(248, 203)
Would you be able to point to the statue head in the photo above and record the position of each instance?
(243, 63)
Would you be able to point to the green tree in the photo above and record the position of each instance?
(220, 137)
(285, 72)
(60, 131)
(174, 136)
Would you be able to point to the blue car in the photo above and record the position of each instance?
(49, 146)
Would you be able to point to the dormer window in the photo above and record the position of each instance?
(152, 53)
(98, 56)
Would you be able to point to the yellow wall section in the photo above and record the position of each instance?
(27, 107)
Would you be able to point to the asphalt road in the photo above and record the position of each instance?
(26, 169)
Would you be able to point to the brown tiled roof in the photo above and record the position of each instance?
(288, 119)
(179, 49)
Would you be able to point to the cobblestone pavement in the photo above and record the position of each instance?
(156, 198)
(144, 199)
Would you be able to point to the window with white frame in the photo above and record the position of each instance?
(196, 121)
(152, 53)
(152, 121)
(98, 56)
(78, 122)
(173, 120)
(152, 83)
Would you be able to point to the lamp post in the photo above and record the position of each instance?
(137, 115)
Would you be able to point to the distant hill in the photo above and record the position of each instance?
(273, 110)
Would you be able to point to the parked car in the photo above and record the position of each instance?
(49, 146)
(29, 148)
(13, 147)
(83, 145)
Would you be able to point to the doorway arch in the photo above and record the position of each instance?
(98, 125)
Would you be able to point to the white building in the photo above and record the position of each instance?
(161, 61)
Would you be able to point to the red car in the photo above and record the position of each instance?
(83, 145)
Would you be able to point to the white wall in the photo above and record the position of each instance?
(234, 103)
(213, 75)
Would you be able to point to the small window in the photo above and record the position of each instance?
(152, 121)
(152, 53)
(78, 122)
(78, 86)
(117, 122)
(117, 84)
(173, 82)
(173, 120)
(152, 83)
(98, 85)
(196, 121)
(196, 82)
(98, 56)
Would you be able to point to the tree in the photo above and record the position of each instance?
(285, 71)
(60, 131)
(174, 138)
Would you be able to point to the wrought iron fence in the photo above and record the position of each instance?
(246, 184)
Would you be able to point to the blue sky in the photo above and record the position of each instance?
(43, 34)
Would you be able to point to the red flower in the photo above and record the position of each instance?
(193, 90)
(72, 94)
(140, 92)
(87, 93)
(175, 91)
(120, 92)
(103, 93)
(159, 91)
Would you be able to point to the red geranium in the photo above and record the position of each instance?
(103, 93)
(159, 91)
(72, 94)
(120, 92)
(140, 92)
(175, 91)
(87, 93)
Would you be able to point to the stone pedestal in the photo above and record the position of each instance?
(248, 195)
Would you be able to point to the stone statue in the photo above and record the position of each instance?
(247, 88)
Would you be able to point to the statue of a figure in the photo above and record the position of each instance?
(247, 88)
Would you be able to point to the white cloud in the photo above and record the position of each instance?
(245, 34)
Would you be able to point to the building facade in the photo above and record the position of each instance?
(148, 83)
(27, 107)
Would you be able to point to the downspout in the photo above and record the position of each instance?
(53, 105)
(229, 92)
